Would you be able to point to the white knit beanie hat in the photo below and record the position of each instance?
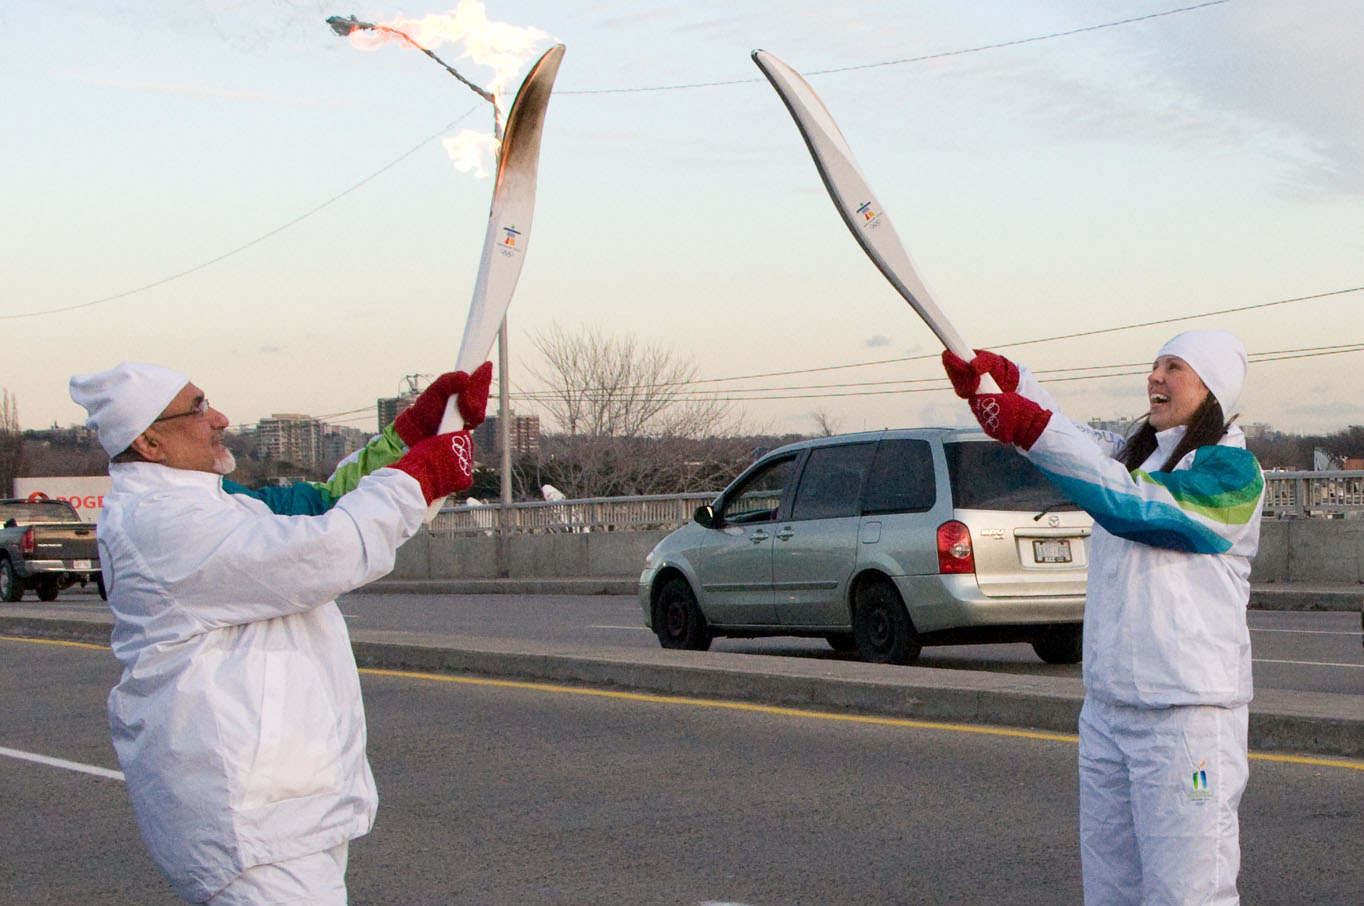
(1218, 357)
(125, 400)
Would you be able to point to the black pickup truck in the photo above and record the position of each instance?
(44, 545)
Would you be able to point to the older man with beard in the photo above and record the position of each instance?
(238, 720)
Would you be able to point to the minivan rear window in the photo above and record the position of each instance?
(994, 476)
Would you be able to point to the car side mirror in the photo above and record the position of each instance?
(704, 516)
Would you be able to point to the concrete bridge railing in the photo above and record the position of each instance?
(1310, 534)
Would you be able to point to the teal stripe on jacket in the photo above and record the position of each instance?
(1222, 488)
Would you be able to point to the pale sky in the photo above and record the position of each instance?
(1179, 165)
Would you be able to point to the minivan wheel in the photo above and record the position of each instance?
(678, 622)
(882, 627)
(843, 642)
(1060, 646)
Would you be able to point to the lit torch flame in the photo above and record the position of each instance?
(503, 48)
(470, 151)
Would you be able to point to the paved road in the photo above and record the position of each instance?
(505, 794)
(1303, 651)
(1315, 652)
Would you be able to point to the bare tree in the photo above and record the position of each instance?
(11, 442)
(630, 422)
(826, 423)
(604, 386)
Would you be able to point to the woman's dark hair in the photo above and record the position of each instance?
(1206, 428)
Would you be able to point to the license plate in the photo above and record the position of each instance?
(80, 564)
(1051, 551)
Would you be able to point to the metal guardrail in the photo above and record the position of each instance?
(595, 514)
(1302, 494)
(1287, 495)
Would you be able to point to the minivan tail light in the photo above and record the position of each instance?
(954, 549)
(26, 543)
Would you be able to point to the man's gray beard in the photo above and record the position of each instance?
(225, 463)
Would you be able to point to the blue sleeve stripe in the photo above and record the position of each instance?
(1156, 523)
(302, 499)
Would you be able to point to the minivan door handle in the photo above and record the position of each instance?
(758, 536)
(786, 533)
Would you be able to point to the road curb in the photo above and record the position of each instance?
(603, 585)
(1343, 598)
(1321, 724)
(1292, 596)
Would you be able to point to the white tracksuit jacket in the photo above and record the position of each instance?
(1169, 565)
(238, 720)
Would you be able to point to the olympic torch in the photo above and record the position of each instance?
(513, 202)
(861, 212)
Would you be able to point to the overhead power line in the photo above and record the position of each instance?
(923, 58)
(259, 239)
(1016, 343)
(424, 142)
(908, 385)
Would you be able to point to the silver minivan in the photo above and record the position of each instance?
(881, 543)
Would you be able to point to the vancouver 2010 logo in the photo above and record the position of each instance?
(870, 216)
(510, 237)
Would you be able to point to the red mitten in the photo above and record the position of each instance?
(442, 465)
(473, 399)
(422, 419)
(1010, 418)
(965, 376)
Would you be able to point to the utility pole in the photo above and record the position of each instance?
(504, 404)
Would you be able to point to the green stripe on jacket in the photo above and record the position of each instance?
(313, 498)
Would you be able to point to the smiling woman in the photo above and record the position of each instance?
(1180, 396)
(1167, 665)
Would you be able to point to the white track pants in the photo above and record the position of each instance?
(1159, 791)
(315, 880)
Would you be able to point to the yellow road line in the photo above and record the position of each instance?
(69, 644)
(817, 715)
(729, 705)
(744, 706)
(1303, 759)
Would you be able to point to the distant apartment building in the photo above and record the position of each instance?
(338, 442)
(291, 438)
(525, 437)
(389, 407)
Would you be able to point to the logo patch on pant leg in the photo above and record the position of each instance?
(1198, 789)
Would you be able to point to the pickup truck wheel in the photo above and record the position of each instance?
(882, 627)
(47, 591)
(11, 586)
(99, 583)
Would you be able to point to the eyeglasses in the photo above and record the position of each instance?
(200, 407)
